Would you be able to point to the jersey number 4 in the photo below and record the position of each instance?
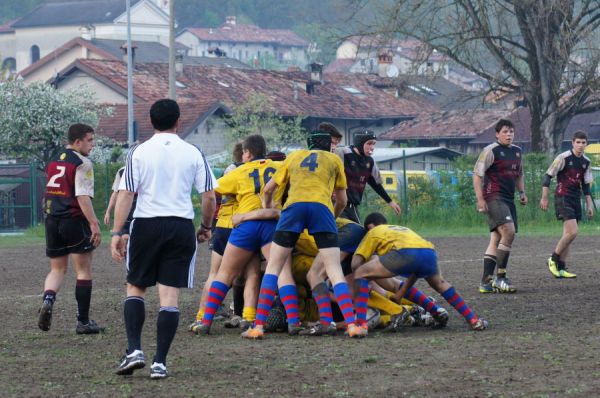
(310, 162)
(266, 177)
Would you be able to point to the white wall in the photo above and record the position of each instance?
(209, 136)
(104, 94)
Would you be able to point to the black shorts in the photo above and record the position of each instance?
(567, 208)
(163, 250)
(351, 213)
(67, 235)
(219, 239)
(501, 212)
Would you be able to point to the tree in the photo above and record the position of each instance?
(544, 50)
(256, 116)
(35, 118)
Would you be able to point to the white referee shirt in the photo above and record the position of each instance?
(163, 171)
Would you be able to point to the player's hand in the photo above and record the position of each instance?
(523, 199)
(203, 235)
(396, 207)
(544, 204)
(590, 211)
(237, 219)
(482, 206)
(106, 218)
(96, 237)
(117, 248)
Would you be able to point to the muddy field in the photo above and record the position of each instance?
(543, 341)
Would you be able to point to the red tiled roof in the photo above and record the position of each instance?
(249, 34)
(450, 124)
(7, 26)
(115, 125)
(520, 117)
(347, 96)
(340, 65)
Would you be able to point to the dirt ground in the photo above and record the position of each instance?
(542, 342)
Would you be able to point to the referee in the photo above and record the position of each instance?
(162, 244)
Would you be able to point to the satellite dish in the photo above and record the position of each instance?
(392, 71)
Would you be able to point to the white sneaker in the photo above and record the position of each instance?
(158, 371)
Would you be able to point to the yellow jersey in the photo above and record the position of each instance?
(247, 182)
(226, 211)
(384, 238)
(312, 176)
(306, 243)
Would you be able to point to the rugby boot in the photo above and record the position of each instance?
(89, 328)
(254, 333)
(356, 332)
(45, 318)
(553, 267)
(486, 288)
(158, 371)
(503, 285)
(440, 318)
(566, 274)
(294, 330)
(478, 324)
(131, 362)
(234, 322)
(200, 329)
(318, 329)
(400, 321)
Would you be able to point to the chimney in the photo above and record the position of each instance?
(316, 74)
(230, 20)
(179, 63)
(384, 60)
(86, 32)
(124, 48)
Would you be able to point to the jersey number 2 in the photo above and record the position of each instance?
(310, 162)
(266, 177)
(60, 172)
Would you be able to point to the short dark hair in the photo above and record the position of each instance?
(237, 152)
(78, 131)
(164, 113)
(579, 134)
(276, 156)
(256, 145)
(504, 123)
(375, 218)
(327, 127)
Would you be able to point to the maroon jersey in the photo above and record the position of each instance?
(500, 166)
(69, 175)
(360, 170)
(571, 173)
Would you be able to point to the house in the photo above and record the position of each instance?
(7, 48)
(262, 48)
(371, 53)
(52, 24)
(420, 158)
(351, 102)
(201, 124)
(455, 129)
(521, 117)
(49, 66)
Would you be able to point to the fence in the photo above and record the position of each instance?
(444, 197)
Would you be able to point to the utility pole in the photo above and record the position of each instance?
(130, 132)
(172, 72)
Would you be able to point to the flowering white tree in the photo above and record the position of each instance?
(34, 119)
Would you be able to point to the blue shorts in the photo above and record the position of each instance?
(219, 239)
(252, 235)
(315, 217)
(406, 262)
(349, 237)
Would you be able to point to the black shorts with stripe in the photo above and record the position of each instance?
(67, 235)
(567, 208)
(161, 250)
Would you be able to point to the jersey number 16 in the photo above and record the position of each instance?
(266, 177)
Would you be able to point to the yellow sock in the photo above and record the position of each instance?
(381, 303)
(200, 314)
(249, 313)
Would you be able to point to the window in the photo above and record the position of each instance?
(389, 180)
(240, 55)
(9, 64)
(35, 53)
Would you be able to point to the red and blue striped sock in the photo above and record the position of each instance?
(344, 300)
(361, 298)
(321, 295)
(216, 295)
(268, 289)
(418, 297)
(458, 303)
(289, 297)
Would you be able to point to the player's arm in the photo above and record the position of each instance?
(111, 205)
(378, 187)
(341, 199)
(268, 194)
(588, 179)
(209, 204)
(545, 191)
(260, 214)
(357, 261)
(521, 189)
(85, 203)
(84, 192)
(122, 209)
